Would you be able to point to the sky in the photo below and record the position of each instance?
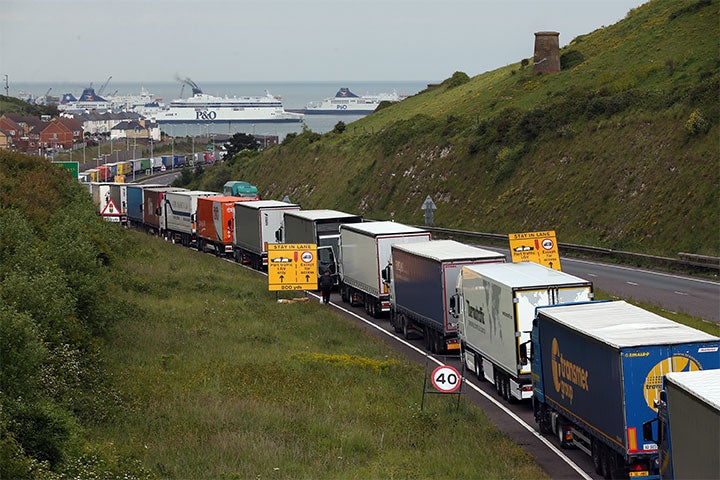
(281, 40)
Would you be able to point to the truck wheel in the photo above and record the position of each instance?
(344, 294)
(395, 323)
(374, 308)
(498, 387)
(479, 372)
(405, 328)
(476, 369)
(506, 388)
(561, 433)
(605, 464)
(439, 344)
(543, 418)
(427, 338)
(597, 462)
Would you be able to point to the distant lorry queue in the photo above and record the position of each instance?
(595, 372)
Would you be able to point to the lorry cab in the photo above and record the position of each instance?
(327, 249)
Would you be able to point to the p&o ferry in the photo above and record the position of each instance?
(346, 102)
(204, 108)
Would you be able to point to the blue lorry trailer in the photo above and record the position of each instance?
(423, 277)
(598, 370)
(135, 212)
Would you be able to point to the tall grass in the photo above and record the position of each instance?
(218, 380)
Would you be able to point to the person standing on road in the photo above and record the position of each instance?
(325, 283)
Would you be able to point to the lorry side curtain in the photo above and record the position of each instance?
(583, 380)
(419, 285)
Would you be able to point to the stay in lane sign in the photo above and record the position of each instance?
(538, 247)
(292, 266)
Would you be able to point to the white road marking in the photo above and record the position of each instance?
(650, 272)
(682, 293)
(632, 283)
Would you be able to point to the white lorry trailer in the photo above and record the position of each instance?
(179, 216)
(495, 306)
(364, 254)
(258, 224)
(422, 281)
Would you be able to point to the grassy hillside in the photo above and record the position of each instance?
(620, 149)
(15, 105)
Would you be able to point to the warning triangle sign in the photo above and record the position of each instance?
(110, 209)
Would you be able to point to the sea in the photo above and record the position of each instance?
(294, 95)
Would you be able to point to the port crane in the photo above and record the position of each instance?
(186, 81)
(104, 86)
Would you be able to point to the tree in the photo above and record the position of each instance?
(240, 142)
(339, 127)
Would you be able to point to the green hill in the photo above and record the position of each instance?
(619, 149)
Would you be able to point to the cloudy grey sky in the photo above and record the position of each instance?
(281, 40)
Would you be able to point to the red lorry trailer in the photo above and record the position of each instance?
(216, 223)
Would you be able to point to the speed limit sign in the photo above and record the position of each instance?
(446, 379)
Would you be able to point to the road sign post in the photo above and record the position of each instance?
(538, 247)
(292, 267)
(445, 380)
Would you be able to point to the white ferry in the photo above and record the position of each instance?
(145, 103)
(346, 102)
(89, 101)
(203, 108)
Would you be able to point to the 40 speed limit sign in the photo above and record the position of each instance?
(446, 379)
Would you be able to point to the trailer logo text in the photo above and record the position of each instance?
(566, 374)
(654, 378)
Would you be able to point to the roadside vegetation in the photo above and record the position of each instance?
(618, 150)
(124, 356)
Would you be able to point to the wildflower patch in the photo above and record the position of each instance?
(346, 360)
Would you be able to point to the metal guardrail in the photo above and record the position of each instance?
(686, 261)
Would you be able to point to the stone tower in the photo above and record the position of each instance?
(547, 52)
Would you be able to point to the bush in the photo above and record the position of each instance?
(570, 59)
(457, 79)
(696, 123)
(339, 127)
(46, 431)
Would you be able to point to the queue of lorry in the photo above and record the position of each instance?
(605, 377)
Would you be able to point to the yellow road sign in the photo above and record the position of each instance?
(292, 266)
(538, 247)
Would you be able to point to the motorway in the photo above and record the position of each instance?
(675, 293)
(697, 297)
(694, 296)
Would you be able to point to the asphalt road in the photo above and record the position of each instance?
(694, 296)
(675, 293)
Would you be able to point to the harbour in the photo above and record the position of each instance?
(294, 97)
